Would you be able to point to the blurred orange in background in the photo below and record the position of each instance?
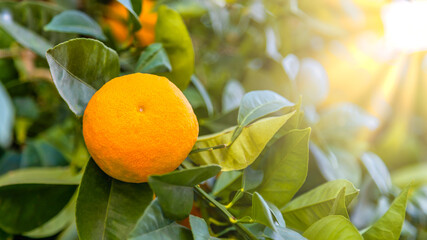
(117, 20)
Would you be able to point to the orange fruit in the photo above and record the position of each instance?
(117, 17)
(138, 125)
(116, 20)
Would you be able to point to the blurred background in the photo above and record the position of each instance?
(357, 67)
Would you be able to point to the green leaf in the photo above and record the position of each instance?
(339, 207)
(378, 171)
(306, 209)
(261, 212)
(134, 7)
(70, 233)
(199, 229)
(153, 225)
(285, 165)
(108, 208)
(79, 67)
(40, 153)
(332, 228)
(153, 59)
(194, 97)
(31, 197)
(251, 178)
(73, 21)
(26, 37)
(277, 214)
(172, 33)
(225, 180)
(390, 224)
(257, 104)
(57, 223)
(247, 147)
(7, 118)
(283, 233)
(175, 190)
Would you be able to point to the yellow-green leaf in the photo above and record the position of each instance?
(332, 227)
(306, 209)
(172, 33)
(244, 150)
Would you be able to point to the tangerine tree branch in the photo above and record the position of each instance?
(239, 226)
(196, 150)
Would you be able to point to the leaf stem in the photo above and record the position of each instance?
(216, 222)
(240, 227)
(236, 198)
(209, 148)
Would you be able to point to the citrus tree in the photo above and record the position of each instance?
(130, 120)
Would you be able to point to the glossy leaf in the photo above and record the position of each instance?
(311, 206)
(194, 97)
(153, 225)
(199, 229)
(261, 212)
(283, 233)
(339, 206)
(285, 165)
(79, 67)
(244, 150)
(378, 171)
(26, 37)
(153, 59)
(257, 104)
(175, 190)
(57, 223)
(73, 21)
(172, 33)
(251, 178)
(390, 224)
(332, 228)
(278, 216)
(107, 208)
(225, 180)
(31, 197)
(70, 233)
(7, 118)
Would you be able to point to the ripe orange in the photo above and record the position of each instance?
(117, 18)
(138, 125)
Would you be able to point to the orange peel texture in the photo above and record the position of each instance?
(138, 125)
